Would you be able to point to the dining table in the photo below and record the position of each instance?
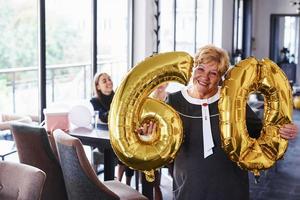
(98, 138)
(7, 148)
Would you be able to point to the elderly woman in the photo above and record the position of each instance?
(202, 170)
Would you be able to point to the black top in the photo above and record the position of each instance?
(215, 177)
(102, 105)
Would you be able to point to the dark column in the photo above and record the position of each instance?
(94, 36)
(42, 58)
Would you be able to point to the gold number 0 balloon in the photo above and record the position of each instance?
(249, 76)
(131, 106)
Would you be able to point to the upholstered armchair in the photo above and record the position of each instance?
(34, 149)
(80, 178)
(20, 181)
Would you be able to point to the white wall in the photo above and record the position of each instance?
(261, 25)
(261, 22)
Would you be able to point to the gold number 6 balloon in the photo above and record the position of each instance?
(131, 107)
(267, 78)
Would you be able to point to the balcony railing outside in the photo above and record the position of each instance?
(66, 82)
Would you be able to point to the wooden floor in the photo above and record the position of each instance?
(282, 182)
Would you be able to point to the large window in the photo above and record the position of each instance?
(291, 36)
(185, 26)
(192, 22)
(166, 22)
(114, 38)
(204, 23)
(68, 50)
(18, 56)
(237, 46)
(242, 30)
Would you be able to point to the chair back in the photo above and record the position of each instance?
(80, 178)
(20, 181)
(34, 149)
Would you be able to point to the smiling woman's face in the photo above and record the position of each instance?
(206, 78)
(105, 84)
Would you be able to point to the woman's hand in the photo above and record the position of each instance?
(288, 131)
(147, 129)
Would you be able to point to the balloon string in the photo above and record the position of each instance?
(195, 117)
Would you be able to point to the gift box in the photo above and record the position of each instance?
(56, 120)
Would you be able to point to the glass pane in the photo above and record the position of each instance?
(291, 37)
(240, 24)
(185, 26)
(166, 26)
(18, 57)
(68, 50)
(203, 23)
(113, 38)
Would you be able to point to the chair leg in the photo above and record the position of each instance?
(137, 179)
(92, 160)
(121, 170)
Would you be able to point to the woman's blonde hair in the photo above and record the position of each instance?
(210, 53)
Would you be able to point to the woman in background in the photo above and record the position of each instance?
(103, 89)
